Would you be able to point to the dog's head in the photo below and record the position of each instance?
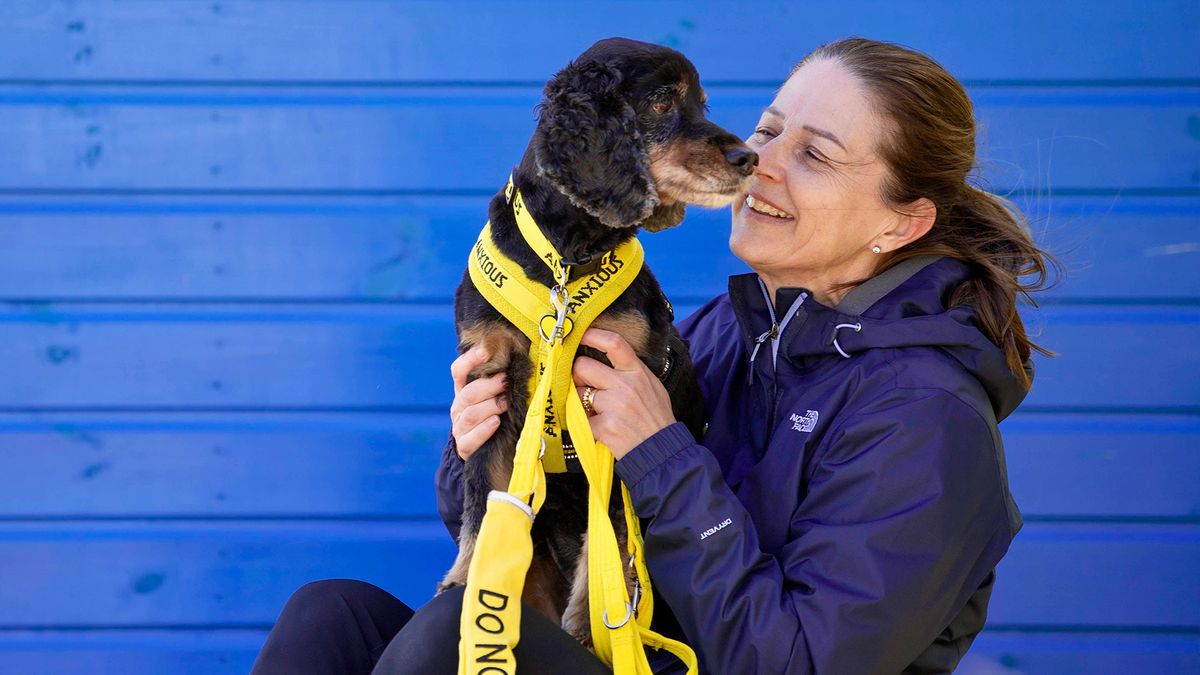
(622, 133)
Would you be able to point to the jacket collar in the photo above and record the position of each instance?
(813, 329)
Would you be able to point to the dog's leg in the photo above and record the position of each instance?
(576, 619)
(490, 468)
(545, 586)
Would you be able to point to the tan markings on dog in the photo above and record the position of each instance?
(500, 338)
(695, 173)
(576, 618)
(457, 576)
(499, 469)
(545, 588)
(630, 325)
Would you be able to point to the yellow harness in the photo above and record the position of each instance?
(491, 612)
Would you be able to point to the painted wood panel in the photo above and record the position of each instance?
(232, 651)
(382, 357)
(456, 41)
(348, 248)
(1081, 653)
(238, 573)
(1036, 139)
(369, 465)
(245, 387)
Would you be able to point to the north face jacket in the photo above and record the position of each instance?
(849, 503)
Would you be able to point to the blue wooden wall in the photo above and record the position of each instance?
(230, 230)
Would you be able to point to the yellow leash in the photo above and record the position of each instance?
(554, 319)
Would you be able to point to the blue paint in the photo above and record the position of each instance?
(248, 240)
(93, 470)
(148, 583)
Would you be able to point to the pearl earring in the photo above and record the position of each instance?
(876, 249)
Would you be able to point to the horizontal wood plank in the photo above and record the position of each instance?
(122, 652)
(219, 139)
(1081, 653)
(421, 41)
(228, 573)
(367, 356)
(232, 651)
(239, 573)
(1104, 466)
(364, 465)
(1100, 575)
(316, 465)
(414, 248)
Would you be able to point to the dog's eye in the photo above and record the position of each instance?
(661, 107)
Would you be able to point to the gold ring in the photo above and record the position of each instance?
(586, 398)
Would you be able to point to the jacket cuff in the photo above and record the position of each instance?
(654, 451)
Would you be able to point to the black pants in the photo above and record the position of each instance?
(350, 627)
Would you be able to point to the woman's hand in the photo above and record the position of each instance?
(631, 404)
(475, 412)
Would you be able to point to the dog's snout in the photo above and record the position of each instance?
(742, 158)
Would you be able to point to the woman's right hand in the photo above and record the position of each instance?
(475, 412)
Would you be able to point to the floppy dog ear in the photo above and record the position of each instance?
(587, 145)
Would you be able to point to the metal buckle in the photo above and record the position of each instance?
(558, 300)
(628, 613)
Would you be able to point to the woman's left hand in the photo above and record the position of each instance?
(631, 404)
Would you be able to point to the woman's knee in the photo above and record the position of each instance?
(329, 595)
(428, 643)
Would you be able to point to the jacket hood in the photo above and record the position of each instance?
(903, 307)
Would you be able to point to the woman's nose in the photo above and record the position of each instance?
(768, 165)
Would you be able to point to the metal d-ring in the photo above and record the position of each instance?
(558, 301)
(628, 613)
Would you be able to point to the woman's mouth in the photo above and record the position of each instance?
(758, 205)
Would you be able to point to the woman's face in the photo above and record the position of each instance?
(819, 181)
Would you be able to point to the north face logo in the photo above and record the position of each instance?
(805, 423)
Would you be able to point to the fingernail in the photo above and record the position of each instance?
(494, 420)
(479, 351)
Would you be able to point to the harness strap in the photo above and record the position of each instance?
(554, 320)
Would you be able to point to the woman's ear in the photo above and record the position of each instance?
(912, 223)
(587, 145)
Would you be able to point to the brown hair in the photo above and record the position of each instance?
(930, 153)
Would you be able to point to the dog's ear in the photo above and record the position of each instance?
(587, 145)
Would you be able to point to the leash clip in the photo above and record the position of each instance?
(558, 300)
(628, 613)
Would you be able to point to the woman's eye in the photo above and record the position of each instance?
(764, 132)
(661, 107)
(813, 155)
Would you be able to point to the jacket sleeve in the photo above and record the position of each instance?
(901, 523)
(449, 482)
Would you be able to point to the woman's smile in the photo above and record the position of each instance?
(760, 206)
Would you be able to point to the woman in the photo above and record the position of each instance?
(849, 504)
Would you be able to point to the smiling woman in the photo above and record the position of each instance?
(849, 503)
(818, 208)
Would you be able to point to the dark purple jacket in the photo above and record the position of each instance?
(850, 502)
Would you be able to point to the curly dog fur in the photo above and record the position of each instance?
(622, 142)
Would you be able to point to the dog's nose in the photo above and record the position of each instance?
(742, 158)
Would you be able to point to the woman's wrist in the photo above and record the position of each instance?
(654, 451)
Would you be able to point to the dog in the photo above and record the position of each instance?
(621, 143)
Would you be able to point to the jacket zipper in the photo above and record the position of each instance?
(773, 334)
